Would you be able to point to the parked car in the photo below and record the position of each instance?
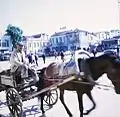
(4, 56)
(110, 51)
(67, 53)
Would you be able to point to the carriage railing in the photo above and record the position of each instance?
(7, 80)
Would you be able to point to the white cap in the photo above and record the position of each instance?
(20, 43)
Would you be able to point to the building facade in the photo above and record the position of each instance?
(33, 43)
(5, 43)
(111, 43)
(109, 39)
(36, 42)
(107, 34)
(71, 40)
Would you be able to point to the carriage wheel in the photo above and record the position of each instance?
(51, 97)
(14, 102)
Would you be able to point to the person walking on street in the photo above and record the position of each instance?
(55, 54)
(43, 56)
(118, 51)
(62, 56)
(36, 59)
(30, 58)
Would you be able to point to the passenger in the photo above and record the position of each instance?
(19, 66)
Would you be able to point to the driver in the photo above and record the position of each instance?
(19, 64)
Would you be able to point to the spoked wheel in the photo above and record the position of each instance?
(14, 102)
(51, 97)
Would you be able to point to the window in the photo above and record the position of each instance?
(56, 40)
(38, 44)
(34, 44)
(7, 43)
(52, 40)
(3, 44)
(29, 45)
(60, 38)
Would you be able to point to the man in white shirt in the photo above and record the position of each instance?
(19, 64)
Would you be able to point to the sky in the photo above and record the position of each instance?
(48, 16)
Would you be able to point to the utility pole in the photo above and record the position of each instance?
(118, 2)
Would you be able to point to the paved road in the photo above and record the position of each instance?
(108, 103)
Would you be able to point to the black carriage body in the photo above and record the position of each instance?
(17, 93)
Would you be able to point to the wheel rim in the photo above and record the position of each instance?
(14, 102)
(51, 97)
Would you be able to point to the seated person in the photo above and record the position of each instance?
(19, 65)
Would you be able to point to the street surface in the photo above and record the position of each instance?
(108, 103)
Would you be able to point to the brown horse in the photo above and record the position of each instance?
(97, 66)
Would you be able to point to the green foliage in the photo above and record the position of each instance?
(15, 33)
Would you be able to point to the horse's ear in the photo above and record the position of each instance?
(79, 62)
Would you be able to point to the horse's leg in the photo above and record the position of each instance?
(41, 107)
(63, 102)
(94, 104)
(40, 85)
(80, 101)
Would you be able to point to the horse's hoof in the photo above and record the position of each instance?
(70, 115)
(86, 113)
(43, 115)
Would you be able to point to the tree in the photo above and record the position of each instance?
(15, 33)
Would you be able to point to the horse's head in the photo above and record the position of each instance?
(109, 64)
(113, 71)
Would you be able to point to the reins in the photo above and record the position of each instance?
(81, 82)
(88, 83)
(115, 80)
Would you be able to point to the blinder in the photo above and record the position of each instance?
(117, 60)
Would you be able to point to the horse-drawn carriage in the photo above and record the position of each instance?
(93, 66)
(17, 93)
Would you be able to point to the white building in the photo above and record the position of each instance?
(33, 43)
(5, 43)
(107, 34)
(71, 40)
(36, 42)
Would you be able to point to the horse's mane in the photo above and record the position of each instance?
(106, 56)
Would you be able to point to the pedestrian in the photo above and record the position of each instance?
(55, 54)
(62, 56)
(118, 51)
(30, 58)
(36, 59)
(43, 56)
(94, 52)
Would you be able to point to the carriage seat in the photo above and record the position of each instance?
(6, 72)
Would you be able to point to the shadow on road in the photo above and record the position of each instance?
(27, 110)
